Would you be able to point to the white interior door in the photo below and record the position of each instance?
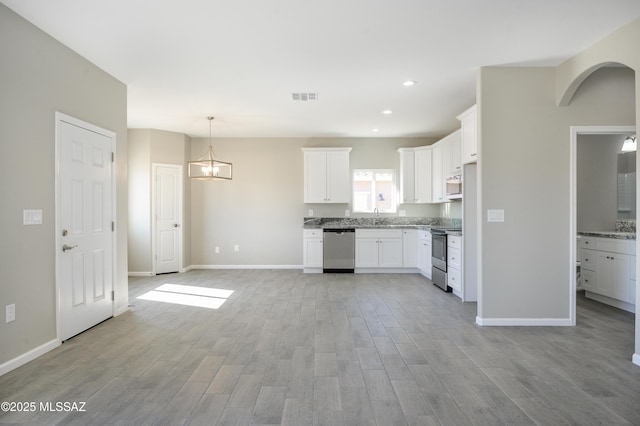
(168, 214)
(84, 226)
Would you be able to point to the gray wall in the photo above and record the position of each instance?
(597, 181)
(262, 208)
(524, 139)
(148, 146)
(38, 77)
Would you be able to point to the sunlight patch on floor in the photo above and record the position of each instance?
(202, 297)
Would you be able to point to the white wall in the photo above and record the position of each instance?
(39, 76)
(597, 181)
(262, 208)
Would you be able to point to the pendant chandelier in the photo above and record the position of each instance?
(207, 167)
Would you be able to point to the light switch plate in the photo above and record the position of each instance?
(32, 217)
(10, 313)
(495, 215)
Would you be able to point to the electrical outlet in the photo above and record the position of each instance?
(10, 311)
(310, 213)
(347, 213)
(236, 248)
(217, 249)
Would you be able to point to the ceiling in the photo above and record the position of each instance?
(241, 60)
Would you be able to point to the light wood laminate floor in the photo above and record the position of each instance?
(292, 349)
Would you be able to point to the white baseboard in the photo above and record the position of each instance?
(119, 310)
(245, 267)
(21, 360)
(140, 274)
(524, 322)
(636, 359)
(187, 269)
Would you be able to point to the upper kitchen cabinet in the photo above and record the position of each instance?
(327, 175)
(468, 122)
(415, 175)
(451, 156)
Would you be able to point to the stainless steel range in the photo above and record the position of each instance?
(439, 257)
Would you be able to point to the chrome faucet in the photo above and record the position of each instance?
(376, 214)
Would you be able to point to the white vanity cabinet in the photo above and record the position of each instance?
(608, 270)
(327, 175)
(312, 255)
(468, 124)
(379, 248)
(424, 253)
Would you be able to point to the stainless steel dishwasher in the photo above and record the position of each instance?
(339, 250)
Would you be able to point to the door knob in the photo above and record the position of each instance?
(175, 225)
(66, 248)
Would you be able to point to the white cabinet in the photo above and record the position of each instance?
(415, 175)
(608, 270)
(437, 174)
(454, 263)
(468, 123)
(379, 248)
(312, 256)
(453, 156)
(424, 253)
(327, 175)
(410, 248)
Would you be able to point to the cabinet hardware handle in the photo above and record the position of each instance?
(586, 260)
(473, 155)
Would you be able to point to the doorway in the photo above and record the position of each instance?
(576, 132)
(166, 214)
(85, 237)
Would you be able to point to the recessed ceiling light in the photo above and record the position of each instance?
(375, 130)
(387, 112)
(409, 83)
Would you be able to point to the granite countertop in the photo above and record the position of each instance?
(609, 234)
(425, 223)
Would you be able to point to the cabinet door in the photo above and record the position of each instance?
(455, 154)
(437, 174)
(588, 279)
(315, 177)
(338, 177)
(454, 279)
(424, 257)
(390, 253)
(366, 252)
(407, 176)
(423, 184)
(410, 248)
(469, 136)
(612, 275)
(312, 253)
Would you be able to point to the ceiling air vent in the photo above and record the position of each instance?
(304, 96)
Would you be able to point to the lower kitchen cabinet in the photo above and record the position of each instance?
(608, 270)
(410, 248)
(424, 253)
(379, 248)
(454, 263)
(312, 256)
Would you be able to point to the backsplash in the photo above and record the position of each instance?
(626, 225)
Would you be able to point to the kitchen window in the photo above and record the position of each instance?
(374, 188)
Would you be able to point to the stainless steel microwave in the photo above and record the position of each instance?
(454, 187)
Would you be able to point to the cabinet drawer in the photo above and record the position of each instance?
(586, 242)
(454, 279)
(453, 258)
(588, 279)
(616, 246)
(424, 235)
(378, 233)
(454, 241)
(312, 233)
(588, 260)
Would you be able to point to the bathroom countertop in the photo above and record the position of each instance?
(609, 234)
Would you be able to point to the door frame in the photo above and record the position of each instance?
(576, 131)
(59, 119)
(154, 220)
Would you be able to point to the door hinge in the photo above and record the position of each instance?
(113, 226)
(113, 157)
(113, 295)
